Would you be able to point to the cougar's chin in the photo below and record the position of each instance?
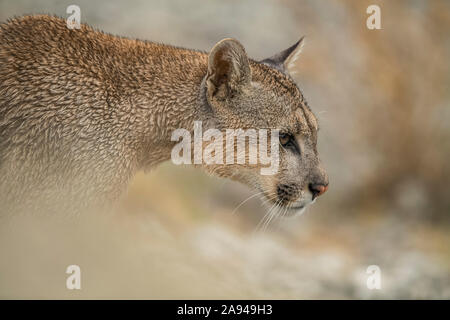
(296, 208)
(295, 211)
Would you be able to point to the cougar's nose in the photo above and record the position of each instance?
(317, 189)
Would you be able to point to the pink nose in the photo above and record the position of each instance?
(318, 189)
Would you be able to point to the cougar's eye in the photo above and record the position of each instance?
(288, 142)
(285, 139)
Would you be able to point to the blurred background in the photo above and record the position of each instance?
(383, 102)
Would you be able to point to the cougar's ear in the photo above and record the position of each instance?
(228, 69)
(285, 61)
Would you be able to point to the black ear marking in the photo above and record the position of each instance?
(280, 60)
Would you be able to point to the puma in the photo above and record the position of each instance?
(81, 111)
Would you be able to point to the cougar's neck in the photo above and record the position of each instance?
(169, 95)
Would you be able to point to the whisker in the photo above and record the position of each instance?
(251, 197)
(267, 200)
(272, 215)
(266, 216)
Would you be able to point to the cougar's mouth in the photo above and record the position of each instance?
(301, 207)
(297, 210)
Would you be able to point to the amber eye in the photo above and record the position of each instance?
(284, 139)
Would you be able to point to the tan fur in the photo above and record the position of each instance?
(81, 111)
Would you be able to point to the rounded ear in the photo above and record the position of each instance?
(228, 69)
(285, 61)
